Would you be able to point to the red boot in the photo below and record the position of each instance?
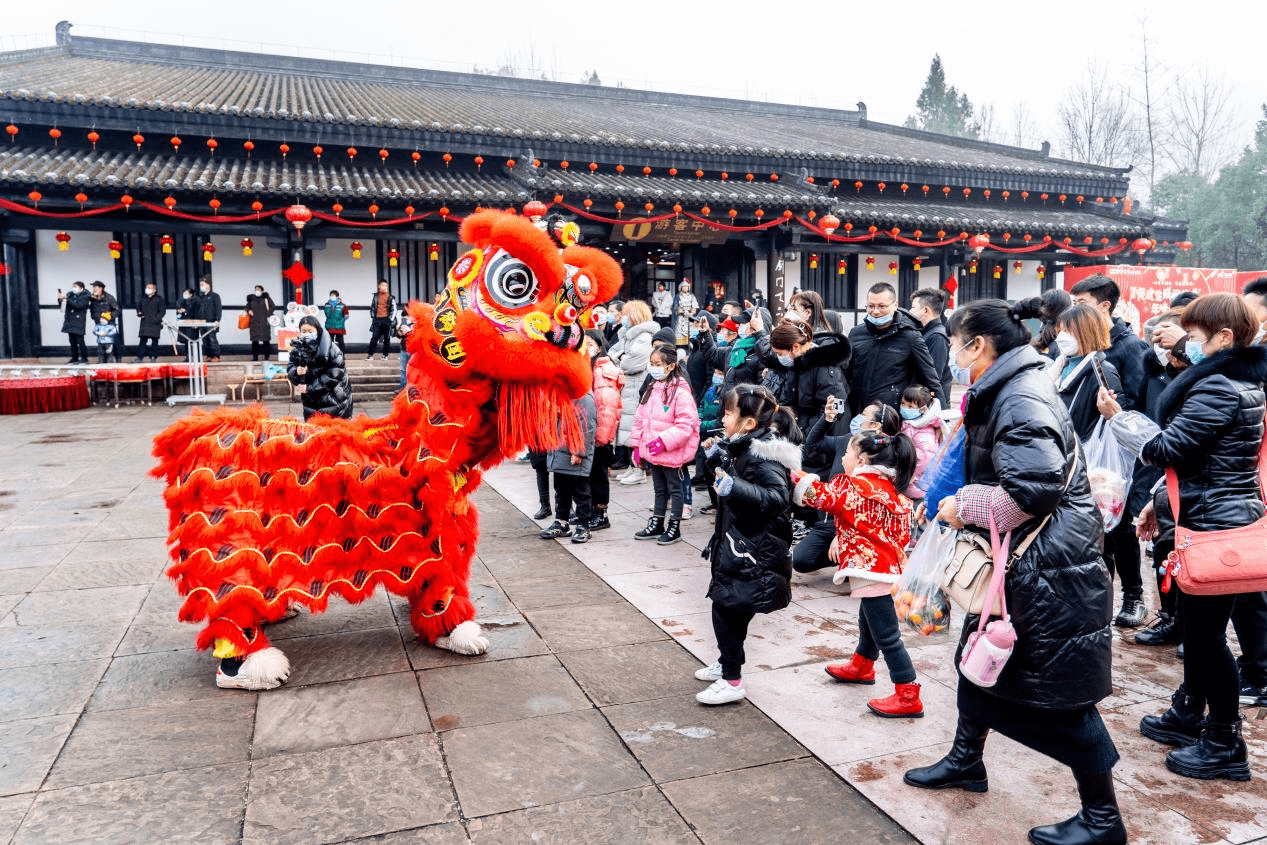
(858, 670)
(902, 703)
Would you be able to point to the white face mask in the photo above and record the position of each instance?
(1163, 354)
(1067, 344)
(1259, 335)
(657, 372)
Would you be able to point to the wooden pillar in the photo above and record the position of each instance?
(775, 276)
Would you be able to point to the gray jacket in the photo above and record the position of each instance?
(560, 460)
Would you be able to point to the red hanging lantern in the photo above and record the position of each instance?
(373, 210)
(881, 186)
(979, 242)
(352, 151)
(646, 171)
(972, 266)
(126, 200)
(415, 157)
(895, 231)
(166, 241)
(758, 214)
(81, 198)
(986, 193)
(208, 250)
(63, 241)
(904, 188)
(677, 208)
(917, 264)
(356, 247)
(215, 205)
(813, 261)
(945, 191)
(870, 263)
(673, 171)
(116, 249)
(249, 146)
(434, 252)
(138, 139)
(1141, 245)
(924, 188)
(444, 212)
(648, 206)
(998, 271)
(93, 137)
(13, 132)
(724, 176)
(1041, 271)
(699, 174)
(535, 210)
(393, 257)
(447, 157)
(257, 207)
(298, 216)
(857, 186)
(787, 214)
(409, 211)
(892, 268)
(587, 202)
(830, 223)
(705, 211)
(842, 267)
(748, 177)
(1016, 266)
(212, 144)
(1006, 195)
(337, 208)
(170, 202)
(620, 168)
(872, 229)
(967, 192)
(835, 183)
(55, 134)
(318, 150)
(248, 246)
(565, 164)
(620, 206)
(35, 197)
(284, 149)
(382, 156)
(1185, 245)
(848, 228)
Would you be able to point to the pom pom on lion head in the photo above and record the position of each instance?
(513, 314)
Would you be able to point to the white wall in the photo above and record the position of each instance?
(1024, 284)
(87, 260)
(235, 275)
(334, 268)
(867, 278)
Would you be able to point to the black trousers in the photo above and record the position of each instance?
(1209, 670)
(1249, 619)
(78, 349)
(730, 626)
(381, 327)
(572, 490)
(211, 344)
(538, 462)
(1121, 555)
(1076, 738)
(600, 483)
(261, 348)
(810, 554)
(1170, 600)
(340, 338)
(667, 482)
(878, 632)
(152, 342)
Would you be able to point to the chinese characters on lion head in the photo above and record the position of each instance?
(267, 514)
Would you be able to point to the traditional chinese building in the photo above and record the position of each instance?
(131, 162)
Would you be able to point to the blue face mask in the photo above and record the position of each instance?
(334, 299)
(961, 375)
(910, 413)
(786, 360)
(1195, 352)
(855, 424)
(879, 321)
(694, 333)
(718, 379)
(723, 341)
(624, 321)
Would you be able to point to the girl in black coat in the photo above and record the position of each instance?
(1211, 432)
(1021, 467)
(1081, 339)
(316, 368)
(750, 550)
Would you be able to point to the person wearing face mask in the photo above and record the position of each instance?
(259, 307)
(1255, 294)
(103, 304)
(1126, 350)
(631, 352)
(927, 306)
(75, 320)
(150, 310)
(336, 312)
(802, 372)
(889, 353)
(1022, 467)
(611, 325)
(684, 307)
(207, 306)
(702, 355)
(1082, 338)
(317, 370)
(665, 435)
(1210, 435)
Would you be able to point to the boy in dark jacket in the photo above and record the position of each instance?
(572, 478)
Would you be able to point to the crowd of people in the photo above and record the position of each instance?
(813, 444)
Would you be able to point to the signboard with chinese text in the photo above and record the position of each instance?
(1147, 291)
(678, 230)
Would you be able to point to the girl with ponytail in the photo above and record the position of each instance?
(873, 529)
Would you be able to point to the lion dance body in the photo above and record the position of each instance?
(267, 514)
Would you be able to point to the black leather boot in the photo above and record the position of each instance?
(1163, 632)
(1097, 823)
(672, 533)
(962, 767)
(1180, 725)
(655, 527)
(1219, 753)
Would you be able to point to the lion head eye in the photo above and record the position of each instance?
(510, 282)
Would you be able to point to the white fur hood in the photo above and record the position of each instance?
(778, 449)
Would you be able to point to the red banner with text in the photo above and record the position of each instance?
(1147, 291)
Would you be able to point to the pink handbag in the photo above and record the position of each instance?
(988, 648)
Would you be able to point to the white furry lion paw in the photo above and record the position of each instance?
(465, 639)
(265, 669)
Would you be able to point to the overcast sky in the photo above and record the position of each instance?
(826, 54)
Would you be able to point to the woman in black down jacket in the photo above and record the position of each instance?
(316, 368)
(1211, 431)
(803, 369)
(1021, 466)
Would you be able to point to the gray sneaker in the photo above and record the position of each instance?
(1132, 615)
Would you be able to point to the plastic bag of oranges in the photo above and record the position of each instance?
(917, 593)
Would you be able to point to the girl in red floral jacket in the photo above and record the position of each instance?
(873, 528)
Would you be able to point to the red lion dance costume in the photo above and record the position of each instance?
(270, 513)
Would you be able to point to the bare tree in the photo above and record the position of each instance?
(1151, 78)
(1096, 123)
(1203, 124)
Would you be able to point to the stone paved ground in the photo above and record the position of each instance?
(579, 726)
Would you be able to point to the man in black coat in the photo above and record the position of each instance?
(889, 354)
(151, 310)
(1126, 350)
(104, 304)
(74, 323)
(927, 305)
(207, 307)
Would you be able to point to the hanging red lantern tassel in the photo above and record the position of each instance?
(813, 261)
(393, 257)
(167, 241)
(248, 246)
(841, 267)
(356, 247)
(116, 249)
(208, 250)
(434, 252)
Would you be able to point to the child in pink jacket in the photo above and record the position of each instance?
(608, 380)
(922, 422)
(665, 435)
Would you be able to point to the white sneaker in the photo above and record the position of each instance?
(637, 476)
(711, 672)
(721, 692)
(687, 512)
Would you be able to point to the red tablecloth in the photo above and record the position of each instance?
(43, 395)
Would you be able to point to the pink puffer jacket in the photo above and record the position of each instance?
(926, 432)
(669, 414)
(608, 379)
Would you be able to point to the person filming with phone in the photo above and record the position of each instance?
(1081, 368)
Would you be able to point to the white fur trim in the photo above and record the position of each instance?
(798, 492)
(261, 670)
(466, 638)
(778, 449)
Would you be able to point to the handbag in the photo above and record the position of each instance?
(1219, 563)
(987, 649)
(244, 321)
(970, 572)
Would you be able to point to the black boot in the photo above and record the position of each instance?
(672, 533)
(1219, 753)
(1097, 823)
(655, 527)
(962, 767)
(1163, 632)
(543, 512)
(1180, 725)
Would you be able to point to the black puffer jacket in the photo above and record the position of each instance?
(938, 343)
(1126, 353)
(328, 389)
(750, 550)
(76, 319)
(1059, 593)
(887, 360)
(151, 310)
(1081, 391)
(1212, 427)
(805, 386)
(1157, 377)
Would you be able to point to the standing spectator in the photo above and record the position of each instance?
(632, 353)
(1126, 351)
(662, 305)
(889, 354)
(185, 307)
(716, 297)
(336, 311)
(703, 355)
(75, 321)
(208, 308)
(608, 381)
(571, 471)
(927, 306)
(684, 307)
(1082, 339)
(1255, 294)
(665, 434)
(103, 303)
(923, 424)
(382, 319)
(259, 307)
(802, 373)
(403, 328)
(105, 333)
(1022, 468)
(150, 310)
(1047, 310)
(757, 299)
(808, 307)
(611, 326)
(316, 369)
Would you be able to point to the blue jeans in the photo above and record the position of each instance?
(404, 365)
